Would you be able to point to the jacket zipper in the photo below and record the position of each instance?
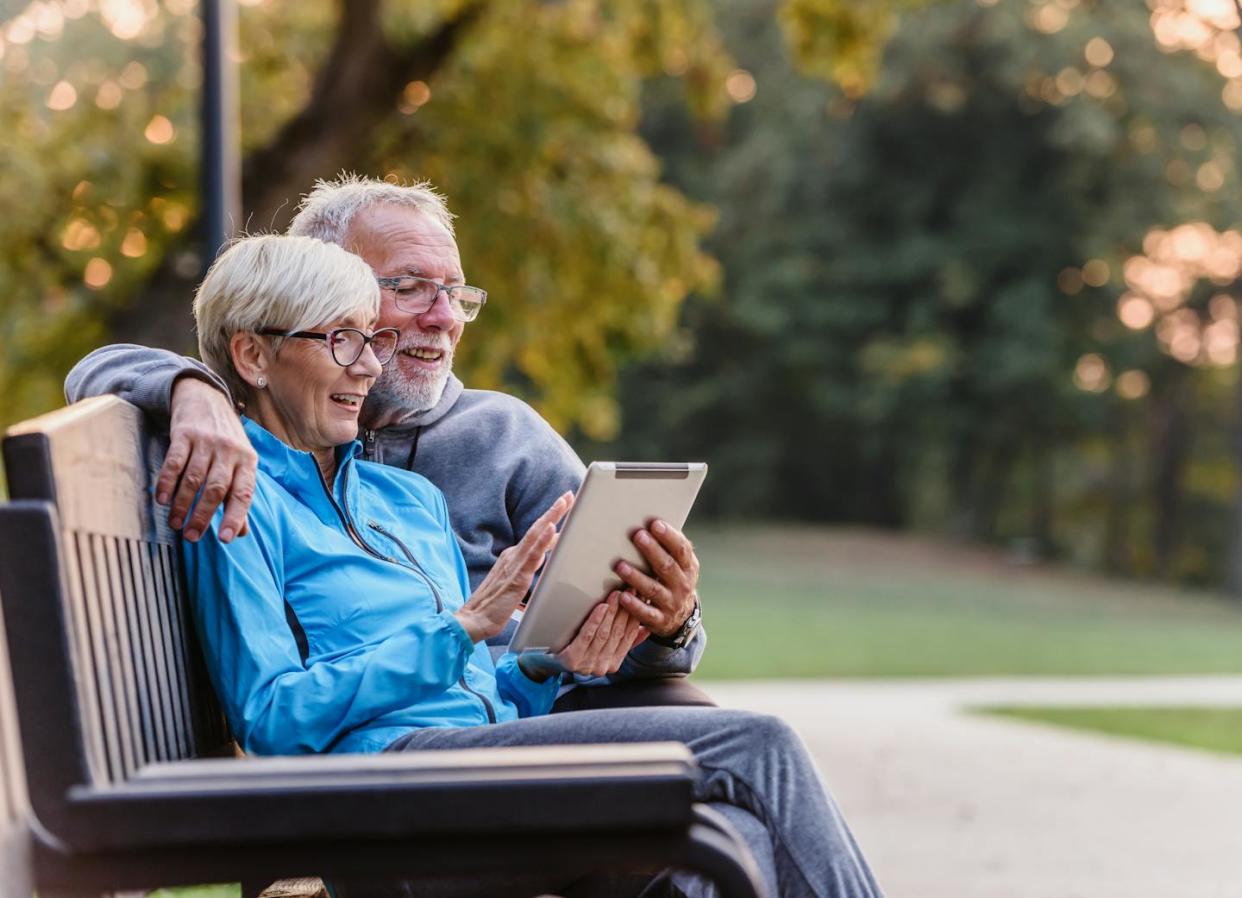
(379, 528)
(348, 524)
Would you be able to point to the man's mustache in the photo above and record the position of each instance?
(420, 342)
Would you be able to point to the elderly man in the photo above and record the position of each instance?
(497, 461)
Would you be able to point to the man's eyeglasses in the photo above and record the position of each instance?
(347, 343)
(417, 295)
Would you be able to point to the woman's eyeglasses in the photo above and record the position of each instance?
(347, 343)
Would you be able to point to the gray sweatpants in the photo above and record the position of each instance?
(754, 770)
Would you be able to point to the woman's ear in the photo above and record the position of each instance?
(250, 358)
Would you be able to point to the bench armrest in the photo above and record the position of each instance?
(339, 797)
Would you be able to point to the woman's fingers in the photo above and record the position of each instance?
(618, 644)
(603, 640)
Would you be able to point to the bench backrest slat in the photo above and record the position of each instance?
(14, 802)
(139, 680)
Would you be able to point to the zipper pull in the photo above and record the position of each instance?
(368, 444)
(378, 529)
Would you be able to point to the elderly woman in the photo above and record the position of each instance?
(342, 622)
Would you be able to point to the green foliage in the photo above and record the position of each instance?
(899, 328)
(587, 254)
(529, 126)
(840, 40)
(1211, 729)
(75, 184)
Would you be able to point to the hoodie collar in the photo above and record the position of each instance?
(452, 392)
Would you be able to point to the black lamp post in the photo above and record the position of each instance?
(221, 155)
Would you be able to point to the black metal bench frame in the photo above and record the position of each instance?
(118, 728)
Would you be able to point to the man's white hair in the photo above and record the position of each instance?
(326, 212)
(291, 283)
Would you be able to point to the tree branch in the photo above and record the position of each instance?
(354, 91)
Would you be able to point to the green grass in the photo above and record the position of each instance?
(808, 602)
(232, 890)
(1211, 729)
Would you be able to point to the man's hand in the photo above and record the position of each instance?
(208, 449)
(489, 608)
(664, 602)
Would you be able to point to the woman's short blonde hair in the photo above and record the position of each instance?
(269, 280)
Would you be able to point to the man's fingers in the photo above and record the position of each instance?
(171, 470)
(192, 478)
(675, 543)
(215, 489)
(240, 495)
(643, 586)
(662, 563)
(648, 615)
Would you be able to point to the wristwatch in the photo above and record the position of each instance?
(684, 633)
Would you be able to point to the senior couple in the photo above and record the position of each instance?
(345, 583)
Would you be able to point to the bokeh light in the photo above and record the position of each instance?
(740, 86)
(1133, 384)
(1135, 312)
(1095, 273)
(159, 130)
(62, 97)
(97, 274)
(1091, 373)
(1098, 52)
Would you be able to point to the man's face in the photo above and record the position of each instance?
(395, 241)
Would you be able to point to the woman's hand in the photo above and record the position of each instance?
(491, 605)
(603, 640)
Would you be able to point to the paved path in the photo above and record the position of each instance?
(950, 804)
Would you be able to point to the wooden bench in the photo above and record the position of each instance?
(15, 880)
(127, 757)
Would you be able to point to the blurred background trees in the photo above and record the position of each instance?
(942, 310)
(965, 267)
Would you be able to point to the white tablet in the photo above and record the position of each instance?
(615, 500)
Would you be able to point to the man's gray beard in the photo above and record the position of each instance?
(394, 390)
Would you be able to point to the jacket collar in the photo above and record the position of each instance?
(295, 469)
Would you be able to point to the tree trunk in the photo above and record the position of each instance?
(1233, 574)
(358, 86)
(1117, 556)
(1044, 481)
(1170, 449)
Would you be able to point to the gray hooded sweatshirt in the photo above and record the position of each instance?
(498, 463)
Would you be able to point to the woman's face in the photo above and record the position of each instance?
(312, 403)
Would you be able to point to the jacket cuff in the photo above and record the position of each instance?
(532, 699)
(453, 625)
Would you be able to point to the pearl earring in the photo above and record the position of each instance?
(261, 381)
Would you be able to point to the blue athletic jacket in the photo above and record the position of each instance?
(330, 627)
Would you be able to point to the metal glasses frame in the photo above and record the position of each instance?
(478, 293)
